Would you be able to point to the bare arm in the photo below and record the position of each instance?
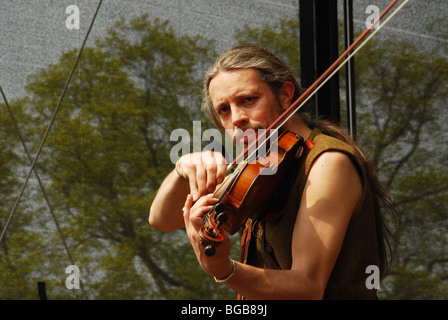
(166, 209)
(199, 175)
(331, 193)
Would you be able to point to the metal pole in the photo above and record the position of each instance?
(350, 70)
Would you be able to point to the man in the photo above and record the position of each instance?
(331, 228)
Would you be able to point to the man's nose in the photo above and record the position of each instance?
(239, 117)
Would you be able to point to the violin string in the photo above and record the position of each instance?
(341, 64)
(346, 59)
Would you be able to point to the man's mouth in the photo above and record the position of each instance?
(246, 137)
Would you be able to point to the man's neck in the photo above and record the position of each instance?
(296, 125)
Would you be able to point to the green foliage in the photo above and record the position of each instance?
(400, 115)
(106, 156)
(414, 283)
(401, 94)
(108, 152)
(8, 157)
(283, 38)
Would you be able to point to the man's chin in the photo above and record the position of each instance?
(246, 147)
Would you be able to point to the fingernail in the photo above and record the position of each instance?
(195, 197)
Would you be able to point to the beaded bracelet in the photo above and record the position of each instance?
(232, 273)
(177, 168)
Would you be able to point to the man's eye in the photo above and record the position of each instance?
(223, 110)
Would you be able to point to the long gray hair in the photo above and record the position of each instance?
(275, 73)
(270, 68)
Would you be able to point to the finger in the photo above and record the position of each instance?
(221, 167)
(201, 180)
(187, 207)
(206, 200)
(189, 227)
(202, 206)
(221, 173)
(187, 166)
(216, 170)
(193, 187)
(211, 177)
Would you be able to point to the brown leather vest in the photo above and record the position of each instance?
(359, 249)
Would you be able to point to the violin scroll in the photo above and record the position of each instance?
(249, 189)
(212, 233)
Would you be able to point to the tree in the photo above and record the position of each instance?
(282, 38)
(13, 244)
(106, 156)
(402, 101)
(400, 94)
(108, 152)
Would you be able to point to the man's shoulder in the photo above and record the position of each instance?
(325, 142)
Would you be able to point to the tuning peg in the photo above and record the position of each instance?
(210, 250)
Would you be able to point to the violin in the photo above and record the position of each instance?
(249, 188)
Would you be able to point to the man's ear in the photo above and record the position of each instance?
(286, 94)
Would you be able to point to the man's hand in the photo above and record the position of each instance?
(219, 265)
(204, 171)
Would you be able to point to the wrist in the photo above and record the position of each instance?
(228, 275)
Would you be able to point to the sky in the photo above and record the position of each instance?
(34, 33)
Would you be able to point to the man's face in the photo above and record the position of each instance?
(243, 101)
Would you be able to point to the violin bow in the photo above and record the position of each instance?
(327, 75)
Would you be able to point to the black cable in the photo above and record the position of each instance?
(33, 164)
